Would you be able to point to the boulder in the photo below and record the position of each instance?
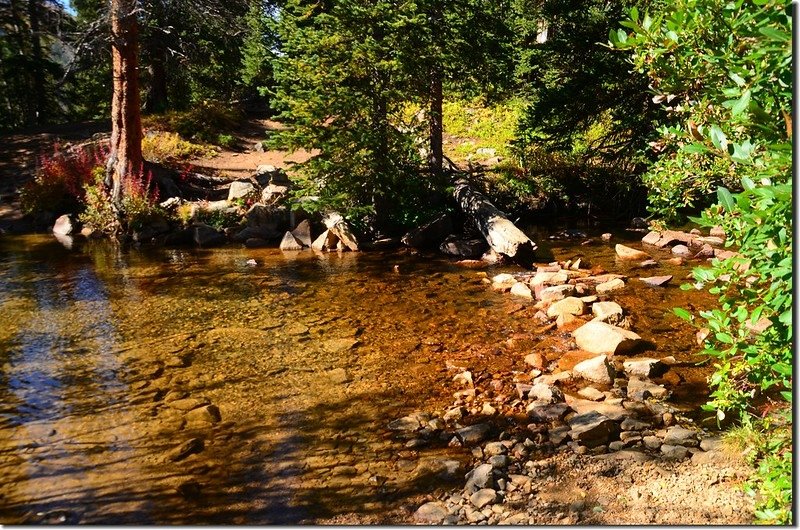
(549, 278)
(599, 337)
(611, 285)
(522, 290)
(682, 251)
(677, 435)
(657, 281)
(64, 225)
(479, 478)
(570, 359)
(592, 429)
(555, 293)
(431, 513)
(473, 434)
(611, 408)
(483, 497)
(644, 368)
(539, 411)
(568, 306)
(325, 241)
(668, 237)
(608, 312)
(651, 238)
(639, 390)
(339, 227)
(289, 242)
(544, 393)
(674, 452)
(205, 236)
(628, 253)
(597, 369)
(241, 190)
(302, 233)
(705, 252)
(429, 235)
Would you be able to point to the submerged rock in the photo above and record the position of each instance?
(628, 253)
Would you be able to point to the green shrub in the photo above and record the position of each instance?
(158, 146)
(204, 122)
(98, 212)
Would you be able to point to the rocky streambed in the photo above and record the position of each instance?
(255, 386)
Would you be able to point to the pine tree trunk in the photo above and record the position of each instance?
(125, 157)
(436, 154)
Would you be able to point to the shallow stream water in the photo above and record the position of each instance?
(308, 357)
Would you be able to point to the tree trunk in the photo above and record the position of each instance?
(125, 157)
(501, 234)
(436, 154)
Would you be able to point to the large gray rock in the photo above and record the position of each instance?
(241, 190)
(336, 224)
(644, 367)
(325, 241)
(599, 337)
(483, 497)
(592, 429)
(289, 242)
(474, 434)
(431, 234)
(540, 412)
(639, 390)
(677, 435)
(674, 452)
(480, 477)
(597, 369)
(431, 513)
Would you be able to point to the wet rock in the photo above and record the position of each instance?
(325, 241)
(644, 368)
(705, 252)
(657, 281)
(711, 240)
(549, 278)
(289, 242)
(405, 424)
(431, 513)
(631, 254)
(339, 227)
(608, 312)
(717, 231)
(521, 290)
(592, 429)
(206, 414)
(464, 248)
(503, 282)
(480, 477)
(241, 190)
(64, 225)
(677, 435)
(651, 238)
(302, 233)
(483, 497)
(640, 390)
(568, 322)
(591, 393)
(556, 292)
(474, 434)
(609, 286)
(206, 236)
(189, 447)
(568, 306)
(544, 393)
(599, 337)
(545, 412)
(674, 452)
(606, 236)
(681, 251)
(597, 369)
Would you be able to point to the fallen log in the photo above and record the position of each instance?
(501, 234)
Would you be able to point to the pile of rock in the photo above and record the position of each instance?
(691, 245)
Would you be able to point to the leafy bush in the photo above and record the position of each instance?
(203, 122)
(158, 146)
(140, 201)
(725, 72)
(61, 179)
(483, 126)
(98, 211)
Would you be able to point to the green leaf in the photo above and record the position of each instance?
(726, 199)
(742, 104)
(782, 368)
(787, 396)
(718, 138)
(682, 314)
(737, 79)
(775, 34)
(724, 338)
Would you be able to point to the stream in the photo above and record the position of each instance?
(186, 386)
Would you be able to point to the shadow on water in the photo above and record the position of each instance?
(307, 358)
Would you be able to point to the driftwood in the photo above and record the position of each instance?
(501, 234)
